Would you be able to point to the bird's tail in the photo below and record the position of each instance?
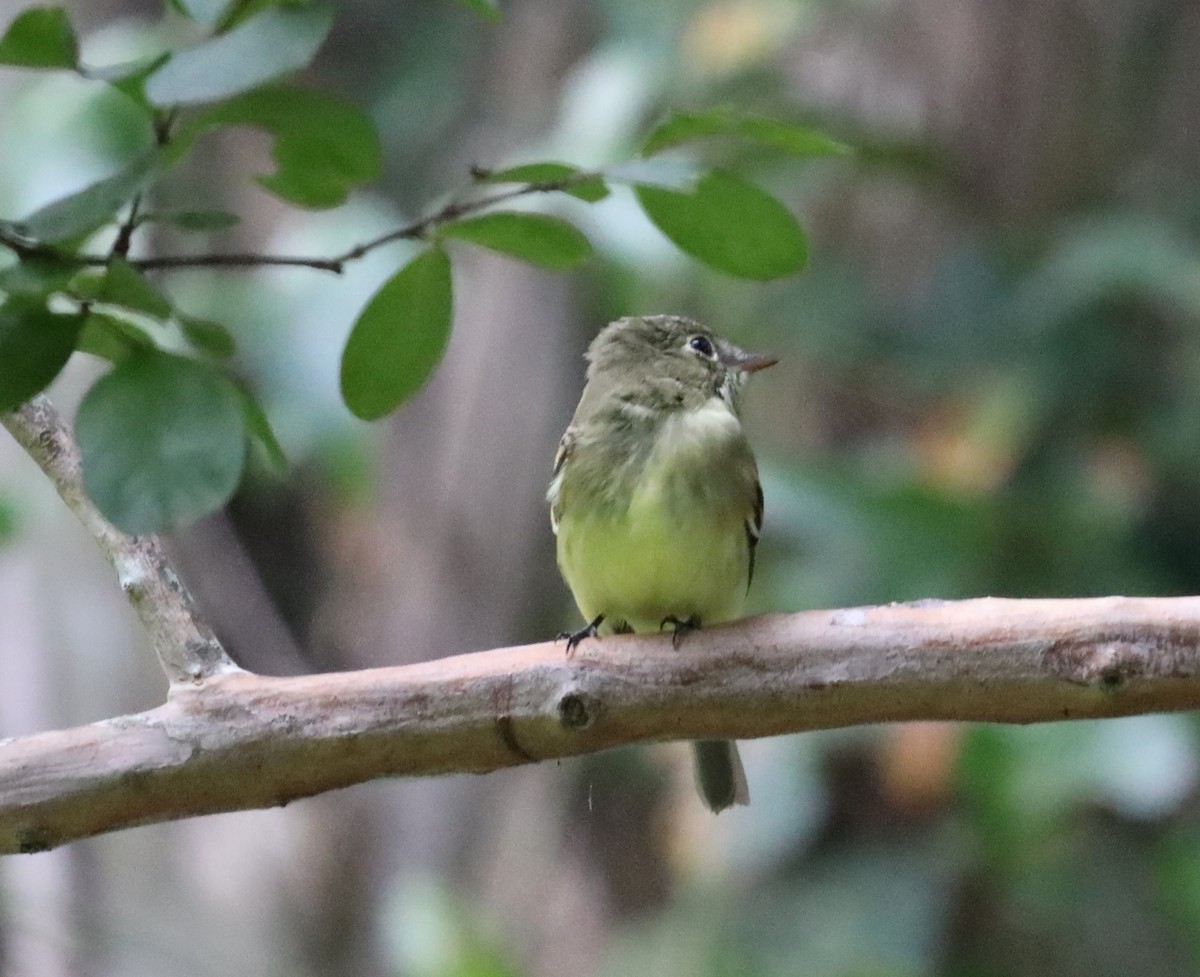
(719, 774)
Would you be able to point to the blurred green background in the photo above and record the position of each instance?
(989, 384)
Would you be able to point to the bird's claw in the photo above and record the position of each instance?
(679, 627)
(589, 630)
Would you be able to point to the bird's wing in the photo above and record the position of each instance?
(754, 527)
(565, 444)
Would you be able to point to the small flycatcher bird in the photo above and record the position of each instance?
(655, 498)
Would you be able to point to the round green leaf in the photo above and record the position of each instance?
(40, 37)
(588, 188)
(37, 276)
(86, 210)
(800, 141)
(729, 225)
(207, 336)
(723, 121)
(126, 286)
(35, 345)
(162, 441)
(543, 172)
(122, 284)
(399, 338)
(531, 237)
(111, 338)
(272, 44)
(683, 127)
(324, 147)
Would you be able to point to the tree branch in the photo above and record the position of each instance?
(26, 249)
(240, 741)
(187, 649)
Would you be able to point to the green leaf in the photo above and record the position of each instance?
(485, 8)
(399, 337)
(86, 210)
(590, 189)
(687, 126)
(122, 284)
(261, 433)
(35, 345)
(546, 172)
(797, 140)
(324, 147)
(126, 286)
(531, 237)
(193, 220)
(162, 441)
(274, 43)
(729, 225)
(40, 37)
(111, 337)
(37, 276)
(207, 336)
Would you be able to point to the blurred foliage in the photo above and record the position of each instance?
(990, 384)
(323, 149)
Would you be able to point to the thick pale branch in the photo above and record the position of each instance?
(186, 647)
(240, 741)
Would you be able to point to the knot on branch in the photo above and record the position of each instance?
(1108, 666)
(48, 442)
(577, 710)
(133, 576)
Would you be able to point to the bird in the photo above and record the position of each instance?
(655, 498)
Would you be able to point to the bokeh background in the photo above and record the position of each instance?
(989, 384)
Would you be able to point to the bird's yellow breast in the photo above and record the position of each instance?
(678, 546)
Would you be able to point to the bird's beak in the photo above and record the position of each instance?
(747, 362)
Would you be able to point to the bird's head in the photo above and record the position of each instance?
(656, 347)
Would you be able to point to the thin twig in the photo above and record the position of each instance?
(120, 248)
(416, 230)
(234, 260)
(187, 649)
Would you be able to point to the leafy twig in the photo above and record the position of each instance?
(415, 230)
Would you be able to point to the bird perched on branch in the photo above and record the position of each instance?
(655, 498)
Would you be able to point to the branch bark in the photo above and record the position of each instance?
(187, 648)
(239, 741)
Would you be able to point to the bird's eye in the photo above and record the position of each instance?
(703, 345)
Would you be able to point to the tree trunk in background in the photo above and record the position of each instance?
(459, 554)
(1037, 107)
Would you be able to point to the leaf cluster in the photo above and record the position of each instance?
(165, 435)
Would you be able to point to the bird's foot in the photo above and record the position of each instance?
(574, 637)
(679, 626)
